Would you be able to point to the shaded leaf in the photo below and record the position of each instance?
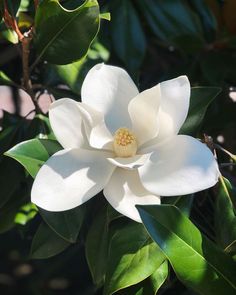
(96, 253)
(46, 243)
(225, 219)
(66, 224)
(200, 99)
(127, 34)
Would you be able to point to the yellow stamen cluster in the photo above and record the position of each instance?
(125, 143)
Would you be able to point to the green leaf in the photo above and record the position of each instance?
(132, 258)
(225, 219)
(151, 285)
(158, 278)
(25, 214)
(200, 99)
(46, 243)
(174, 22)
(127, 34)
(32, 154)
(96, 253)
(5, 80)
(66, 224)
(197, 262)
(106, 16)
(207, 18)
(64, 36)
(70, 74)
(184, 203)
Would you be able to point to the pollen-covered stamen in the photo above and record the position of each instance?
(125, 143)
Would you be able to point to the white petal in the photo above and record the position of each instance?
(98, 134)
(175, 95)
(124, 191)
(66, 123)
(69, 178)
(131, 162)
(143, 110)
(179, 166)
(109, 89)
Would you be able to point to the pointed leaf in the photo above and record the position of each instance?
(33, 153)
(64, 36)
(225, 219)
(197, 262)
(132, 258)
(66, 224)
(46, 243)
(200, 99)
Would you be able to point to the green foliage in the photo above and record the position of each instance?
(60, 35)
(33, 153)
(153, 41)
(200, 99)
(133, 256)
(46, 243)
(195, 259)
(225, 219)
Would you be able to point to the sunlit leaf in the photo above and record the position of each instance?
(197, 262)
(132, 258)
(33, 153)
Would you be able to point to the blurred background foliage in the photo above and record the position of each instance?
(154, 40)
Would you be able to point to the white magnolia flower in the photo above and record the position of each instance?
(124, 142)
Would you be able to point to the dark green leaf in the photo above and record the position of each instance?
(173, 22)
(184, 203)
(225, 219)
(200, 99)
(66, 224)
(46, 243)
(96, 253)
(11, 175)
(197, 262)
(64, 36)
(207, 18)
(132, 258)
(33, 153)
(127, 34)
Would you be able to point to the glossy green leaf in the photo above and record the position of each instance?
(46, 243)
(197, 262)
(174, 22)
(200, 99)
(133, 257)
(151, 285)
(33, 153)
(127, 34)
(96, 253)
(184, 203)
(225, 218)
(64, 36)
(66, 224)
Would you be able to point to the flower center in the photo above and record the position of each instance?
(125, 143)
